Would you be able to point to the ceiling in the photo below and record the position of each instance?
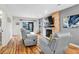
(33, 10)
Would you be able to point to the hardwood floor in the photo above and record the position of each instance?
(15, 46)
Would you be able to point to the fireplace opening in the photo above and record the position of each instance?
(48, 32)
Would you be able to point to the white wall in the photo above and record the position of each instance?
(16, 28)
(36, 26)
(43, 28)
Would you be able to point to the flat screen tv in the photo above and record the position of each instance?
(50, 19)
(71, 21)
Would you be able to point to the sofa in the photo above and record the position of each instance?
(28, 38)
(65, 38)
(62, 42)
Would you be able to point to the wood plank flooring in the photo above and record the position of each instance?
(15, 46)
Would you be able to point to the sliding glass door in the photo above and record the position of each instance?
(28, 26)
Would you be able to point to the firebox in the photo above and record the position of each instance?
(48, 32)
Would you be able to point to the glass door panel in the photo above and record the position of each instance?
(28, 26)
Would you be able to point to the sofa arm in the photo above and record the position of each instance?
(72, 49)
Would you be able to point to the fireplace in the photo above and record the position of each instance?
(48, 32)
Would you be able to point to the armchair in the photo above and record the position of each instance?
(28, 38)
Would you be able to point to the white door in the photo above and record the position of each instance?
(4, 28)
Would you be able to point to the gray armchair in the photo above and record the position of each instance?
(28, 38)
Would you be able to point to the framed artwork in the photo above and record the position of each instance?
(71, 21)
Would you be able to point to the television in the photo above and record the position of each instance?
(50, 19)
(71, 21)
